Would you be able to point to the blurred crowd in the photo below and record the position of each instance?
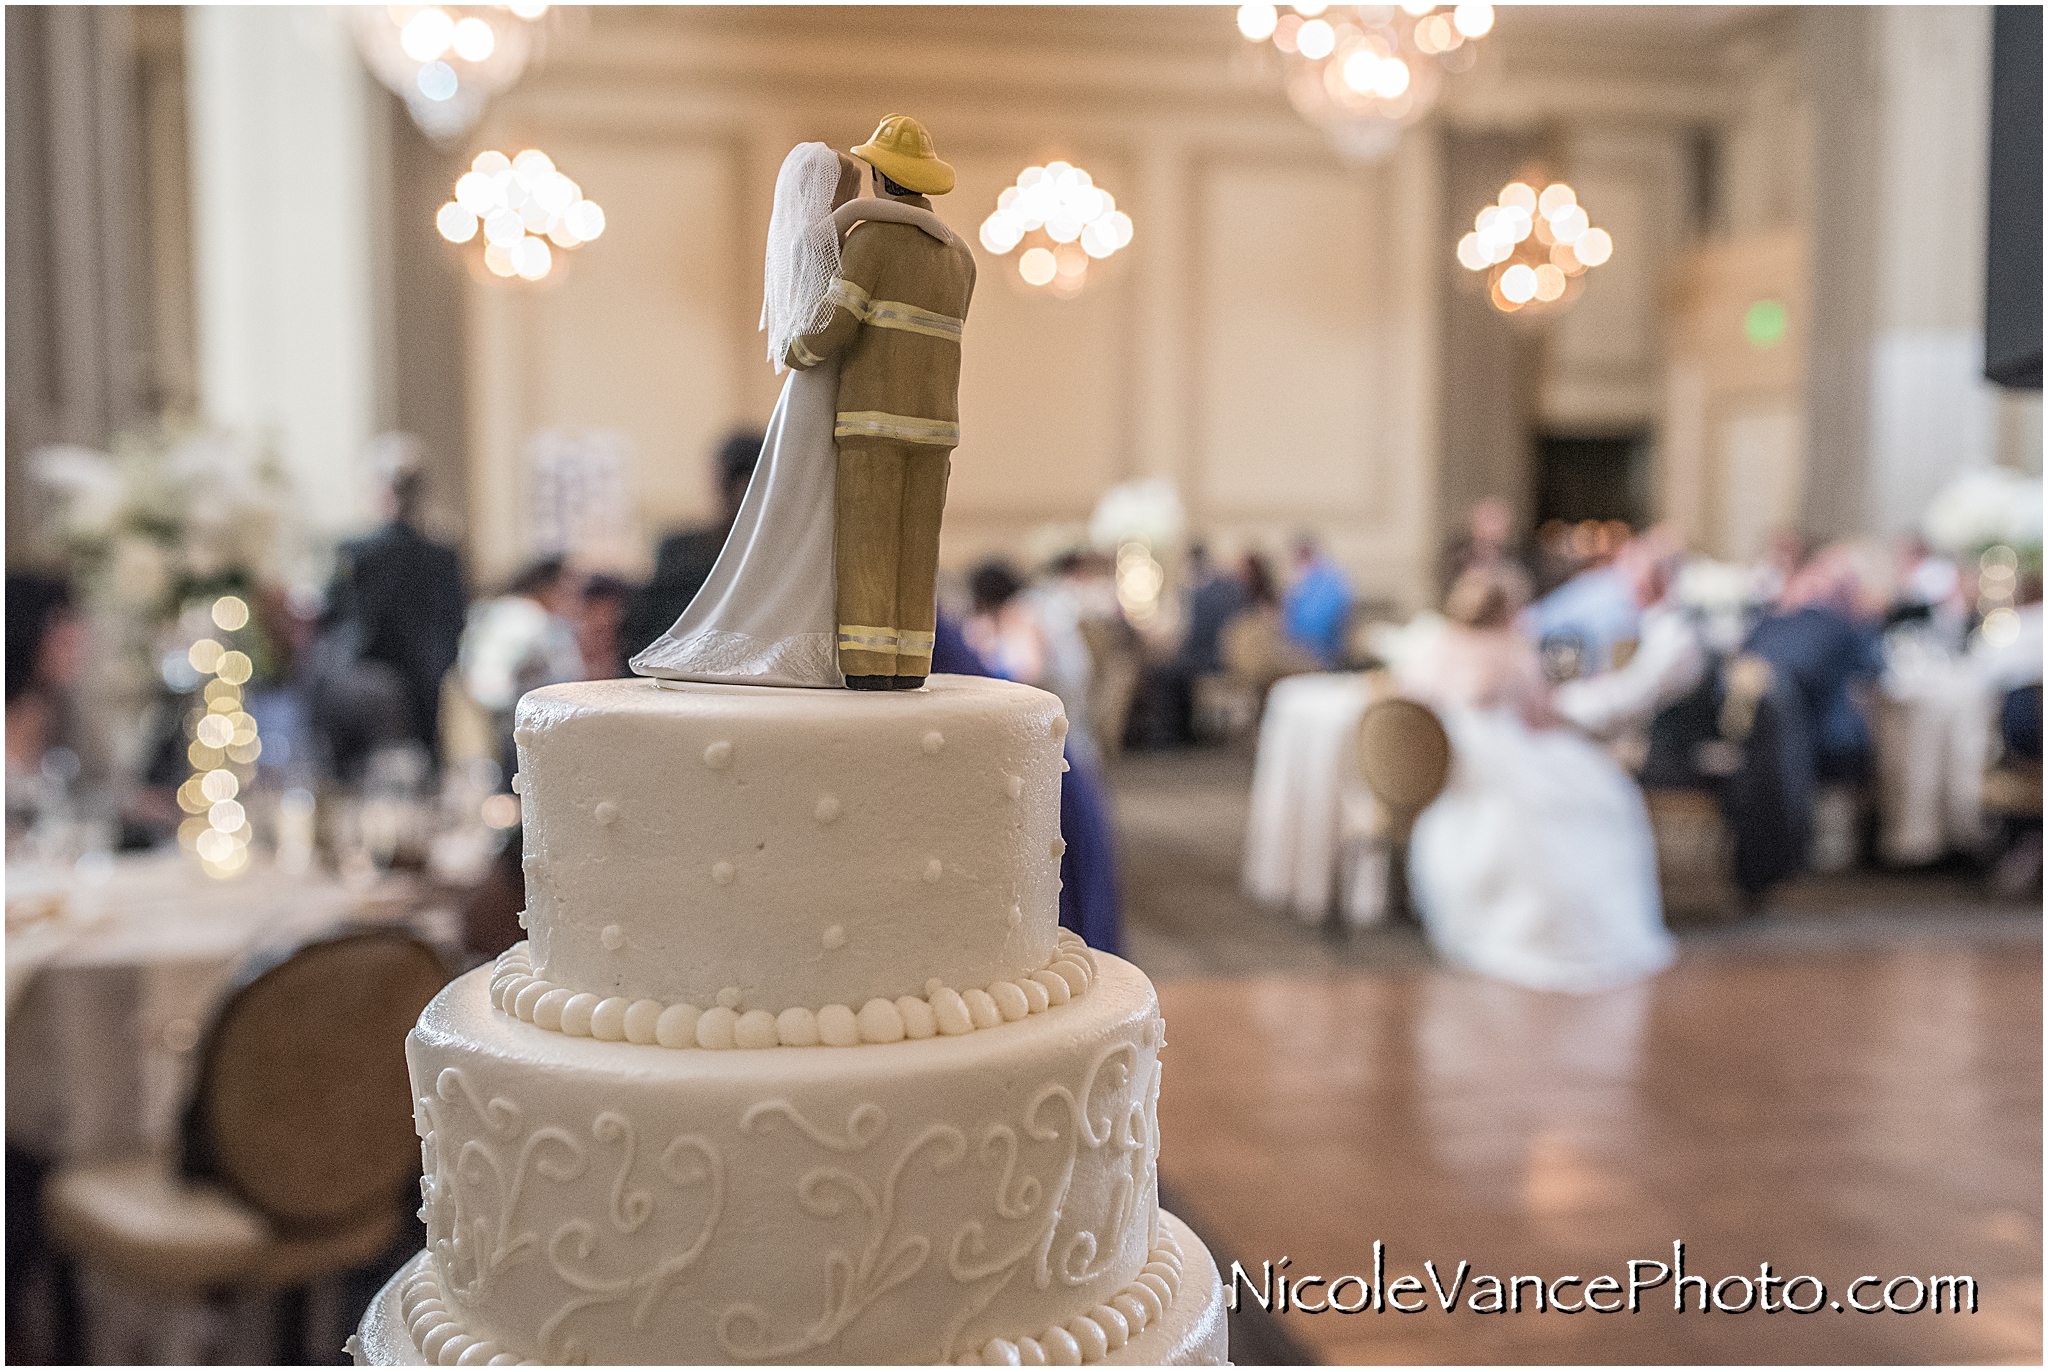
(1755, 684)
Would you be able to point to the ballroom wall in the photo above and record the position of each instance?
(1265, 340)
(1288, 337)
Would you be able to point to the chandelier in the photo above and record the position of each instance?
(1068, 221)
(1535, 248)
(445, 61)
(1362, 73)
(519, 204)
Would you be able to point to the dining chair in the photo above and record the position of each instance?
(298, 1144)
(1404, 759)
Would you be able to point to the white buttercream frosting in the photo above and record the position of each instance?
(952, 1154)
(1190, 1330)
(905, 1201)
(723, 830)
(1082, 1340)
(517, 991)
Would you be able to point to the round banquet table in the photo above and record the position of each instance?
(112, 974)
(1307, 795)
(1931, 739)
(114, 969)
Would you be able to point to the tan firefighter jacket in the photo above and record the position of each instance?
(899, 305)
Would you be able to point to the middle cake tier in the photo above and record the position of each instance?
(769, 849)
(906, 1202)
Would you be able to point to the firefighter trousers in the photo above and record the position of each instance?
(890, 498)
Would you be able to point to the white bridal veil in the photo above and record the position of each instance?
(803, 247)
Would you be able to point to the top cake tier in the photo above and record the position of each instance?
(773, 849)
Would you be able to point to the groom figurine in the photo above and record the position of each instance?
(899, 305)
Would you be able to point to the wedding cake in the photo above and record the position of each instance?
(796, 1064)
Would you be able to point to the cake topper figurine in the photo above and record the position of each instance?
(830, 572)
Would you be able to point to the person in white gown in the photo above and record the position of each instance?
(1536, 865)
(765, 615)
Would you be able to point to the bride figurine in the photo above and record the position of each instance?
(767, 613)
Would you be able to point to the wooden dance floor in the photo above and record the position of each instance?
(1849, 1086)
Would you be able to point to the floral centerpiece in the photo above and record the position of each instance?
(1985, 508)
(172, 536)
(162, 521)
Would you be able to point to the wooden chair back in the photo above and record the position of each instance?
(1404, 756)
(302, 1106)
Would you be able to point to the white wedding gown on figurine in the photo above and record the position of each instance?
(1536, 865)
(764, 616)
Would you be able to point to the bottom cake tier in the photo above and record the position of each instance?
(1191, 1329)
(988, 1195)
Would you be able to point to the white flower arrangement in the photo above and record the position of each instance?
(1147, 511)
(163, 517)
(1984, 507)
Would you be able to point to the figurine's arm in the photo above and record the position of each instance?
(859, 271)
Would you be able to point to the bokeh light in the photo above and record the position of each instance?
(501, 811)
(522, 204)
(1533, 246)
(1473, 20)
(1068, 219)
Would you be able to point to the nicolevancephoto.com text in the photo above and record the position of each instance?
(1455, 1287)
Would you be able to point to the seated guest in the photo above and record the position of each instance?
(1163, 708)
(1593, 611)
(684, 561)
(1536, 864)
(1090, 903)
(1032, 635)
(1317, 603)
(45, 655)
(1213, 596)
(1928, 588)
(598, 619)
(1822, 638)
(1785, 551)
(521, 641)
(1489, 541)
(1254, 645)
(1668, 662)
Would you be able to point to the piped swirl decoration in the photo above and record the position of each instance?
(941, 1012)
(1093, 1335)
(1085, 1338)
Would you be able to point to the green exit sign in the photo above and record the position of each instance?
(1764, 322)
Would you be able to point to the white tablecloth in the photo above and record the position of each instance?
(1303, 782)
(107, 999)
(1931, 740)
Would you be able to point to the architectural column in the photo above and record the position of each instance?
(1415, 301)
(82, 324)
(1898, 403)
(284, 203)
(1166, 279)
